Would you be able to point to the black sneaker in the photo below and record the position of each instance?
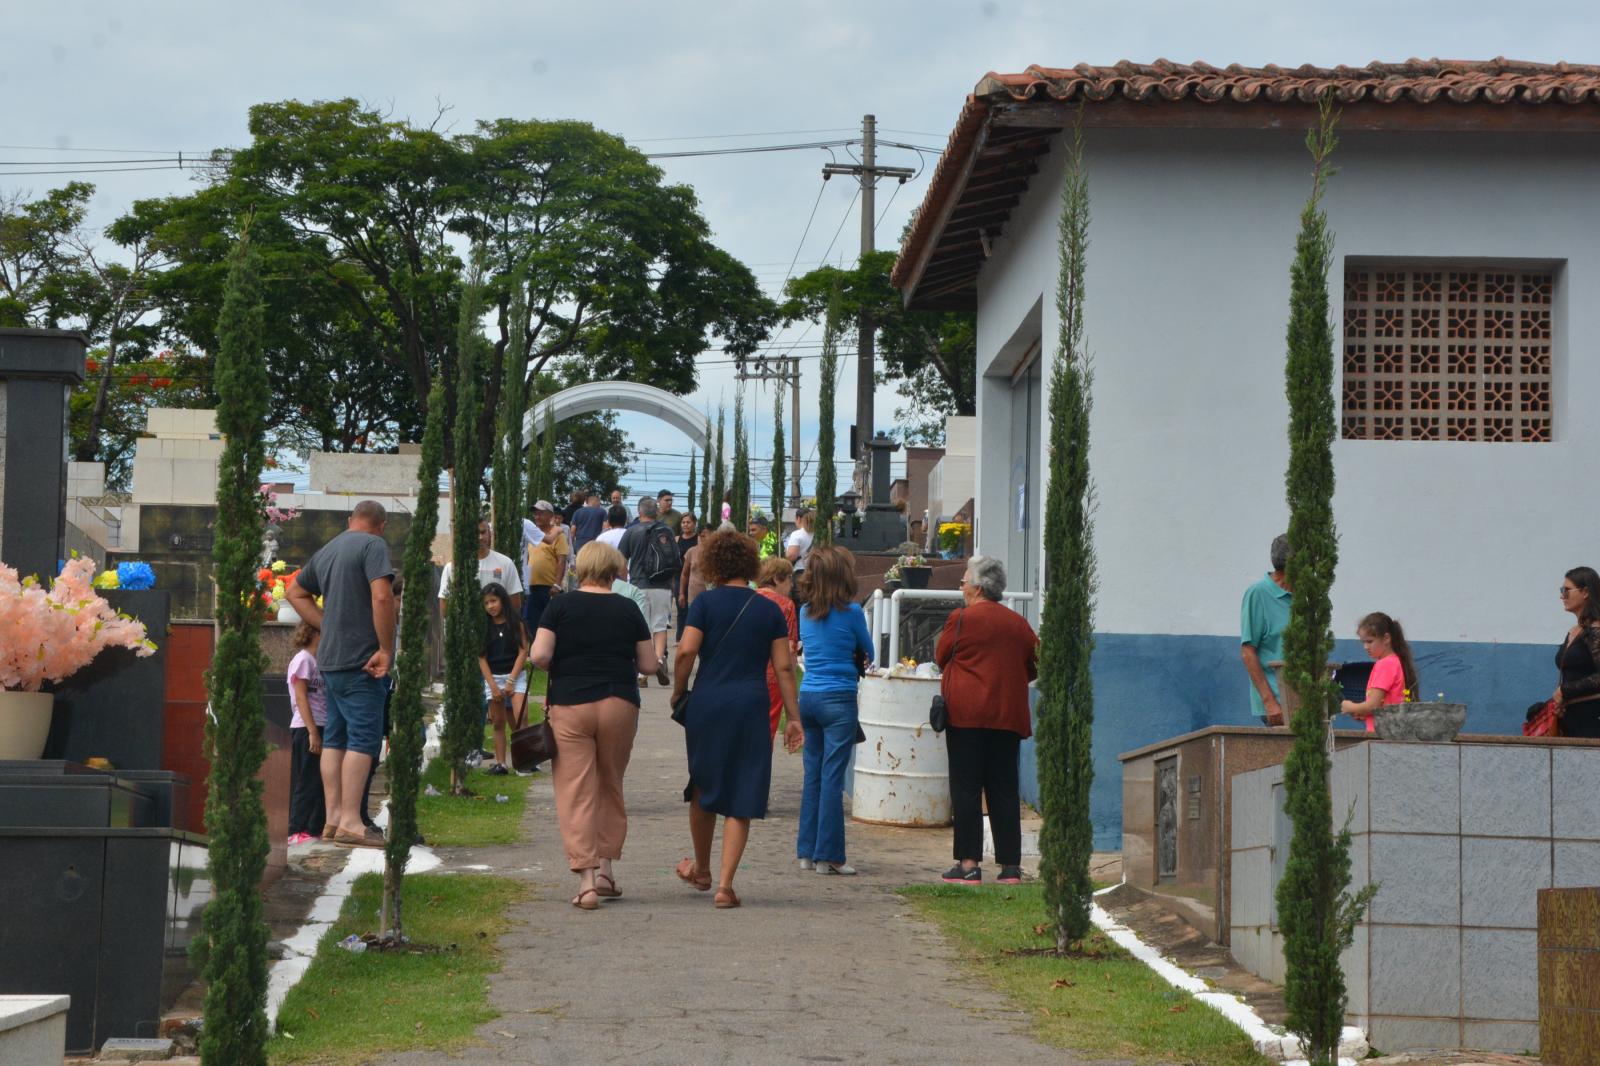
(497, 770)
(957, 876)
(1009, 875)
(661, 672)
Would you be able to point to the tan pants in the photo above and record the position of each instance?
(593, 744)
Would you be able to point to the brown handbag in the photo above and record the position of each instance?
(532, 745)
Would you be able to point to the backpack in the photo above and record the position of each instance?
(661, 559)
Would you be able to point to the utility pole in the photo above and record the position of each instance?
(868, 172)
(785, 371)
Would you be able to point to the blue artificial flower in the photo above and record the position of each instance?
(136, 576)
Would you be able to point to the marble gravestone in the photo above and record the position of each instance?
(38, 368)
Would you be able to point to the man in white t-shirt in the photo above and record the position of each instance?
(616, 525)
(798, 546)
(493, 568)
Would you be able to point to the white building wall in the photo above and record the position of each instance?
(1187, 302)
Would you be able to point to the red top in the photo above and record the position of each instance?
(791, 619)
(986, 681)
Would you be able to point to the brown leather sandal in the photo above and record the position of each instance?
(686, 874)
(726, 899)
(582, 903)
(609, 891)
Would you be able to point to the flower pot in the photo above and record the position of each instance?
(287, 613)
(916, 577)
(24, 723)
(890, 587)
(1420, 721)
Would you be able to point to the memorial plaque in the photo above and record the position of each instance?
(1194, 797)
(1167, 818)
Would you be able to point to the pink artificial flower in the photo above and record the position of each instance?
(49, 636)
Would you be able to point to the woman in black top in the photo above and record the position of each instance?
(505, 653)
(1577, 697)
(688, 537)
(595, 645)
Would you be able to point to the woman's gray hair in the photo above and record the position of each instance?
(988, 575)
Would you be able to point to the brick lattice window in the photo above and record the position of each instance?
(1447, 355)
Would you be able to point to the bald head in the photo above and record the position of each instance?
(369, 517)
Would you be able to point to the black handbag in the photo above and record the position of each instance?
(680, 704)
(532, 745)
(938, 713)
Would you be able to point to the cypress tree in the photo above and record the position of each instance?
(739, 490)
(778, 459)
(547, 456)
(411, 669)
(706, 505)
(1066, 631)
(719, 472)
(464, 618)
(690, 505)
(1315, 912)
(822, 521)
(507, 481)
(536, 489)
(235, 931)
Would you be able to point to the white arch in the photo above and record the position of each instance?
(592, 396)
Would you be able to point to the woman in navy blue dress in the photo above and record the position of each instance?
(734, 633)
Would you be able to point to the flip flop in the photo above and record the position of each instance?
(686, 874)
(610, 891)
(726, 899)
(587, 904)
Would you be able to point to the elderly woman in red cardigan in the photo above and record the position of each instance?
(988, 654)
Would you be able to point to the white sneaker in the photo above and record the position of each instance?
(836, 868)
(805, 864)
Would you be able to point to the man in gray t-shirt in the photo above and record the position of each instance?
(353, 576)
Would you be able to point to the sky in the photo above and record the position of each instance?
(81, 78)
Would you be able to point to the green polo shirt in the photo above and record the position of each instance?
(1263, 616)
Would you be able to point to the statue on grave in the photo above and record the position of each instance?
(269, 545)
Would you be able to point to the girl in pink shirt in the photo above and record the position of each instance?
(307, 816)
(1394, 675)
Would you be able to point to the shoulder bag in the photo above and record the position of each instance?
(533, 744)
(680, 705)
(938, 713)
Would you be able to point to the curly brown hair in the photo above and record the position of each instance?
(728, 557)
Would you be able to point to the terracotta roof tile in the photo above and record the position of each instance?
(1416, 81)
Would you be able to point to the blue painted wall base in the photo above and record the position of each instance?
(1148, 687)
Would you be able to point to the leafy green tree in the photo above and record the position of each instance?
(508, 482)
(778, 458)
(404, 767)
(719, 473)
(930, 355)
(39, 251)
(833, 322)
(235, 928)
(1316, 913)
(464, 618)
(739, 489)
(689, 504)
(1066, 631)
(547, 457)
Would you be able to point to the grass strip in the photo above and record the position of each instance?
(353, 1007)
(477, 820)
(1103, 1002)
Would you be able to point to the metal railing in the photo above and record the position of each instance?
(883, 615)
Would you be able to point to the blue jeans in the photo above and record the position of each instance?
(829, 721)
(355, 711)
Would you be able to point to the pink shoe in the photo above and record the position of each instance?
(301, 838)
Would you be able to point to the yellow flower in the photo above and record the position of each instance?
(279, 566)
(107, 580)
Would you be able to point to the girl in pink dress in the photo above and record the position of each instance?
(1394, 675)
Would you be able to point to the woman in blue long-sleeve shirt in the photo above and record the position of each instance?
(833, 631)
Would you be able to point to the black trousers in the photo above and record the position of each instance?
(983, 764)
(306, 812)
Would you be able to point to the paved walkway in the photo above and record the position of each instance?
(810, 969)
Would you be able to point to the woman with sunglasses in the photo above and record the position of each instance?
(1577, 697)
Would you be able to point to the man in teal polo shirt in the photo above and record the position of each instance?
(1263, 616)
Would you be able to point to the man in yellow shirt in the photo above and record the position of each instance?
(547, 561)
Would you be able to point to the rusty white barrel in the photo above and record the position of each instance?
(902, 772)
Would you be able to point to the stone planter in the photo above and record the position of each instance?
(1420, 721)
(24, 723)
(916, 577)
(33, 1030)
